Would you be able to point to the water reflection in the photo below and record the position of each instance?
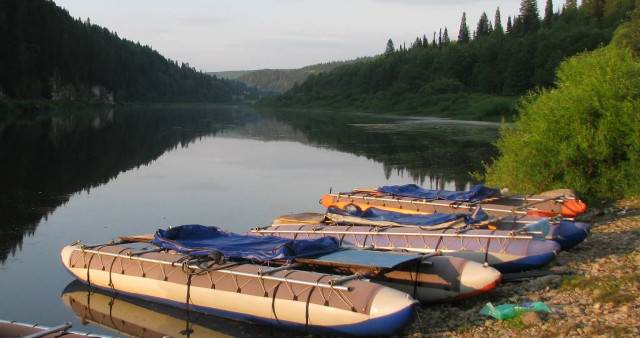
(428, 149)
(137, 318)
(46, 162)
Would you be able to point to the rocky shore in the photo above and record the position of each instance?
(594, 290)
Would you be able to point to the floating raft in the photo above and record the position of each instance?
(282, 296)
(411, 198)
(427, 278)
(566, 233)
(506, 251)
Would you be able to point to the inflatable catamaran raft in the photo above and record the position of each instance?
(505, 212)
(504, 250)
(291, 284)
(411, 198)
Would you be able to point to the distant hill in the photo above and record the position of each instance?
(231, 74)
(280, 80)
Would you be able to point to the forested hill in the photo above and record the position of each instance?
(480, 75)
(47, 54)
(280, 80)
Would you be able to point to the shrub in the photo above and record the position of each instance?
(584, 134)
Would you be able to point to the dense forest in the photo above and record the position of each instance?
(47, 54)
(480, 75)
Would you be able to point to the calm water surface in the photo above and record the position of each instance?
(99, 175)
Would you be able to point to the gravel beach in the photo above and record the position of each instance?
(594, 290)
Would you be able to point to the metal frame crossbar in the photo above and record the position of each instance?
(452, 205)
(56, 329)
(512, 234)
(260, 275)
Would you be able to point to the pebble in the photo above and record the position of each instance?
(531, 318)
(611, 252)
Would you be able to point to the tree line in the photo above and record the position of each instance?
(47, 54)
(483, 72)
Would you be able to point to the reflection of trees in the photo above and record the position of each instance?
(45, 162)
(436, 153)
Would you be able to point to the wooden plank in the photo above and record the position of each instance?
(146, 238)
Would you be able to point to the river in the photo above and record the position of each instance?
(111, 172)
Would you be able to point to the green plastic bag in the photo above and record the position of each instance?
(506, 311)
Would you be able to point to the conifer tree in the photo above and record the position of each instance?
(594, 8)
(390, 49)
(571, 5)
(417, 43)
(434, 42)
(445, 37)
(425, 42)
(528, 21)
(509, 25)
(483, 28)
(463, 34)
(498, 22)
(440, 38)
(548, 12)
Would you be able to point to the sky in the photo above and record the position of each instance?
(225, 35)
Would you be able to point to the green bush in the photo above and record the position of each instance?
(584, 134)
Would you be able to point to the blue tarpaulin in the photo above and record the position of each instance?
(477, 193)
(200, 240)
(375, 214)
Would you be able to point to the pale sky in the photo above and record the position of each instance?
(221, 35)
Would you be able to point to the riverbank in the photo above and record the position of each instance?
(459, 106)
(601, 296)
(20, 110)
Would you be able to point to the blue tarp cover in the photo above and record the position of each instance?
(375, 214)
(200, 240)
(366, 258)
(477, 193)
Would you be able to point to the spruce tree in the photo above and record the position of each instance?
(417, 43)
(463, 34)
(390, 49)
(445, 37)
(498, 22)
(548, 12)
(571, 5)
(528, 21)
(483, 28)
(509, 26)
